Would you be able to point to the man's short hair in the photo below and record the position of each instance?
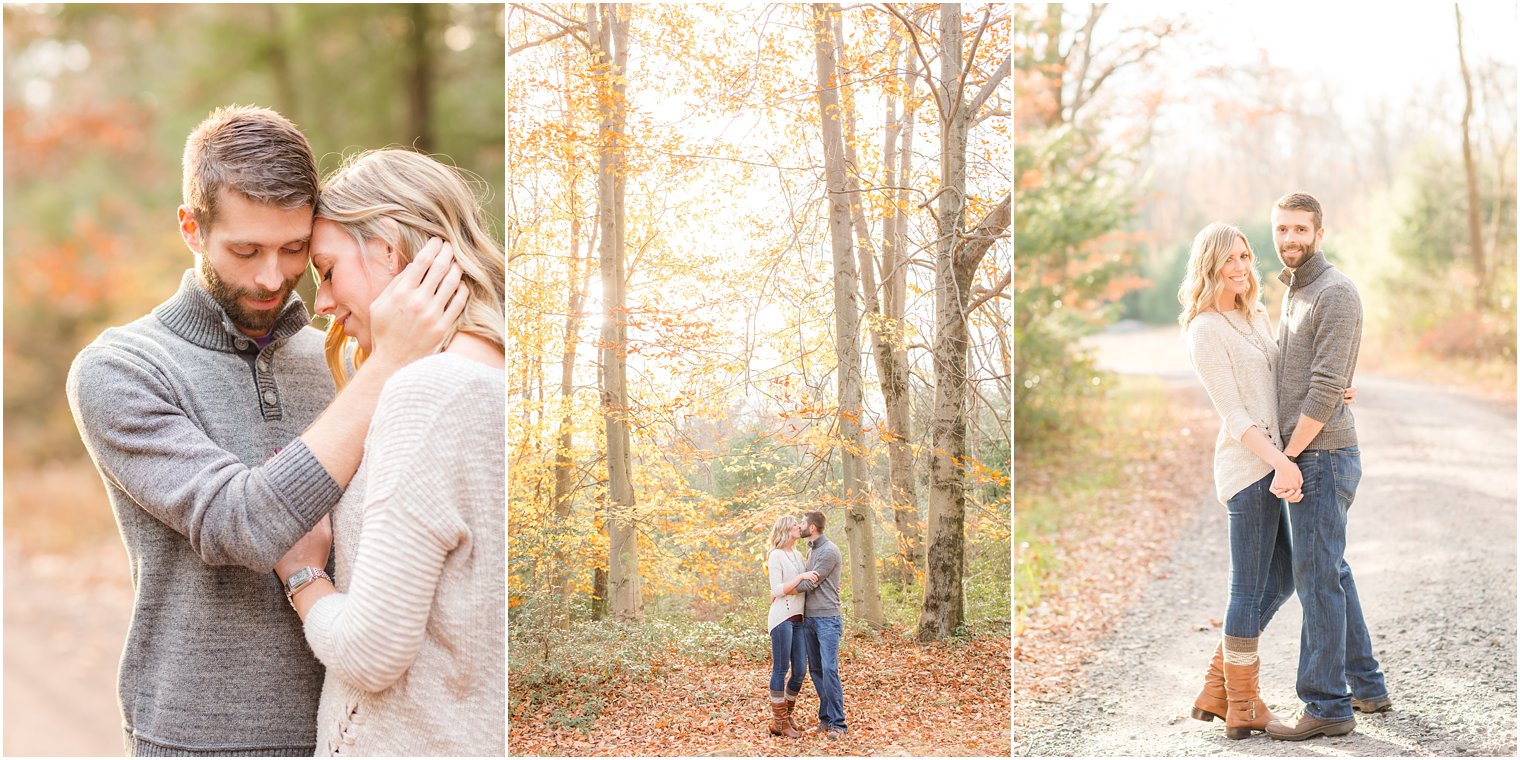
(1303, 202)
(814, 519)
(252, 151)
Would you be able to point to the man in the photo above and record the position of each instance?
(1319, 334)
(202, 418)
(824, 626)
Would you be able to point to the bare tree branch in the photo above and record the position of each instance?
(996, 291)
(544, 40)
(958, 97)
(578, 29)
(909, 26)
(991, 86)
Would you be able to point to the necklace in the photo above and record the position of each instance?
(1249, 334)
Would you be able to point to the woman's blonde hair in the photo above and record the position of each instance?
(403, 198)
(783, 530)
(1201, 287)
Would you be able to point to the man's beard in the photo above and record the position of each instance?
(1303, 254)
(251, 320)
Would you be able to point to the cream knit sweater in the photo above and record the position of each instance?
(414, 642)
(783, 566)
(1241, 381)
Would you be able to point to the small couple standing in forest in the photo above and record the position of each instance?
(1286, 467)
(805, 624)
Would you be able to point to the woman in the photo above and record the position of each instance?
(412, 633)
(1232, 349)
(786, 571)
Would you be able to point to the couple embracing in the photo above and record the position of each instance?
(805, 624)
(1286, 467)
(314, 522)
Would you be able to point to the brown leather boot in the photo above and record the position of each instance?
(791, 704)
(780, 724)
(1211, 702)
(1247, 712)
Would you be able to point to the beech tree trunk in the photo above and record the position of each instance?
(886, 328)
(610, 35)
(892, 354)
(420, 85)
(957, 255)
(865, 598)
(1474, 223)
(564, 464)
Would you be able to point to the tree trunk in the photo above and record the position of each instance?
(598, 594)
(611, 42)
(420, 88)
(285, 34)
(943, 611)
(892, 355)
(891, 366)
(1474, 225)
(564, 462)
(865, 598)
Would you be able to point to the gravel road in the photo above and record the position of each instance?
(1432, 542)
(65, 620)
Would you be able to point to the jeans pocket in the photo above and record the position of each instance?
(1347, 466)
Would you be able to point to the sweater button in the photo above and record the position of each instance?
(263, 365)
(242, 345)
(270, 398)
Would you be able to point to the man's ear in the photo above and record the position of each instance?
(189, 231)
(1319, 237)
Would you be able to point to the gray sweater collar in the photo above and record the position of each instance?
(195, 316)
(1306, 272)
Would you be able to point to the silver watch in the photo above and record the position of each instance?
(301, 578)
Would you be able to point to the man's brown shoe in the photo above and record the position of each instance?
(1372, 705)
(1305, 726)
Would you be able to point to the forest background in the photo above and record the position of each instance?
(1135, 127)
(743, 241)
(98, 102)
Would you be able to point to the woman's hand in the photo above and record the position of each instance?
(811, 576)
(1288, 482)
(415, 311)
(1350, 395)
(311, 550)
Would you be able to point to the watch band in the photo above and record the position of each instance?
(302, 578)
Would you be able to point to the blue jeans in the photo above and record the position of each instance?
(788, 647)
(1335, 660)
(1261, 559)
(823, 634)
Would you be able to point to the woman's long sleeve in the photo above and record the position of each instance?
(1211, 359)
(371, 635)
(776, 562)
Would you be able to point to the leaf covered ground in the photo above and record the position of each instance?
(901, 699)
(1109, 539)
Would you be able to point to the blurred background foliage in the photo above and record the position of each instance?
(98, 101)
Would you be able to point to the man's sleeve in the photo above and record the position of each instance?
(1338, 334)
(146, 445)
(824, 562)
(803, 586)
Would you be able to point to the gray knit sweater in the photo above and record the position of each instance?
(1319, 335)
(194, 432)
(822, 598)
(414, 641)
